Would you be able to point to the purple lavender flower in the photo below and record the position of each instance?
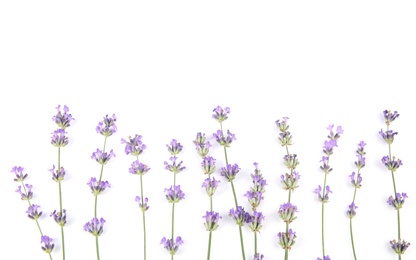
(57, 175)
(107, 127)
(329, 146)
(200, 139)
(62, 119)
(27, 193)
(170, 245)
(95, 226)
(291, 161)
(174, 148)
(175, 168)
(220, 114)
(398, 201)
(58, 138)
(282, 125)
(211, 220)
(208, 165)
(325, 258)
(47, 244)
(388, 135)
(134, 146)
(258, 183)
(285, 139)
(240, 216)
(287, 212)
(332, 135)
(201, 145)
(102, 158)
(143, 206)
(400, 246)
(32, 212)
(391, 164)
(59, 218)
(389, 116)
(256, 221)
(20, 175)
(222, 140)
(97, 186)
(356, 182)
(174, 194)
(254, 198)
(290, 181)
(351, 210)
(230, 171)
(325, 166)
(319, 192)
(258, 256)
(287, 239)
(138, 168)
(360, 163)
(210, 185)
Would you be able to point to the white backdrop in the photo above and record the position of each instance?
(162, 67)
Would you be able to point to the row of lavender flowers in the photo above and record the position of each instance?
(290, 181)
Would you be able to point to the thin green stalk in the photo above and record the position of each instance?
(235, 197)
(173, 219)
(144, 236)
(97, 248)
(323, 216)
(209, 245)
(242, 243)
(95, 206)
(255, 243)
(352, 240)
(60, 203)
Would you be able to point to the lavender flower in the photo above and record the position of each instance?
(170, 245)
(351, 210)
(254, 198)
(332, 135)
(174, 194)
(210, 185)
(319, 192)
(398, 201)
(258, 256)
(62, 119)
(107, 127)
(291, 161)
(222, 140)
(230, 171)
(325, 258)
(256, 221)
(208, 165)
(97, 186)
(174, 148)
(240, 216)
(211, 220)
(33, 213)
(200, 139)
(60, 218)
(282, 125)
(57, 175)
(290, 181)
(134, 146)
(58, 138)
(400, 246)
(47, 244)
(95, 226)
(388, 135)
(143, 206)
(138, 168)
(27, 193)
(391, 164)
(221, 114)
(20, 175)
(389, 116)
(287, 239)
(356, 182)
(175, 168)
(287, 212)
(201, 145)
(102, 158)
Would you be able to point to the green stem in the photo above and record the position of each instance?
(95, 206)
(63, 242)
(60, 203)
(352, 240)
(242, 243)
(173, 219)
(235, 197)
(144, 236)
(323, 215)
(102, 165)
(255, 243)
(209, 245)
(97, 248)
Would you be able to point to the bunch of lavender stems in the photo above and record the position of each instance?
(254, 197)
(173, 195)
(356, 183)
(59, 140)
(33, 209)
(392, 164)
(229, 171)
(289, 181)
(323, 193)
(210, 184)
(107, 128)
(135, 147)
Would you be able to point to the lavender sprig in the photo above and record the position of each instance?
(134, 146)
(59, 139)
(392, 164)
(289, 182)
(33, 212)
(356, 183)
(323, 193)
(230, 171)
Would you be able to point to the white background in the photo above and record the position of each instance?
(161, 67)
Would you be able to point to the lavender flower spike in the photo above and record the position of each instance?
(174, 194)
(211, 220)
(230, 171)
(98, 186)
(102, 158)
(144, 207)
(107, 127)
(175, 147)
(33, 213)
(138, 168)
(57, 175)
(59, 218)
(134, 146)
(286, 239)
(20, 175)
(175, 168)
(64, 119)
(325, 258)
(27, 193)
(399, 247)
(210, 185)
(58, 138)
(220, 114)
(389, 116)
(95, 226)
(47, 244)
(258, 256)
(240, 216)
(170, 245)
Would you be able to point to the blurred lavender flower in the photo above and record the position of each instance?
(211, 220)
(57, 175)
(27, 193)
(325, 166)
(290, 181)
(201, 145)
(254, 198)
(58, 138)
(143, 206)
(391, 164)
(97, 186)
(208, 165)
(319, 192)
(398, 201)
(138, 168)
(20, 175)
(388, 135)
(47, 244)
(33, 213)
(134, 146)
(102, 158)
(389, 116)
(210, 185)
(356, 182)
(95, 226)
(287, 239)
(256, 221)
(287, 212)
(175, 168)
(240, 216)
(170, 245)
(174, 194)
(351, 210)
(282, 125)
(221, 114)
(230, 171)
(64, 119)
(174, 148)
(258, 256)
(59, 218)
(222, 140)
(107, 127)
(291, 161)
(332, 135)
(325, 258)
(400, 246)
